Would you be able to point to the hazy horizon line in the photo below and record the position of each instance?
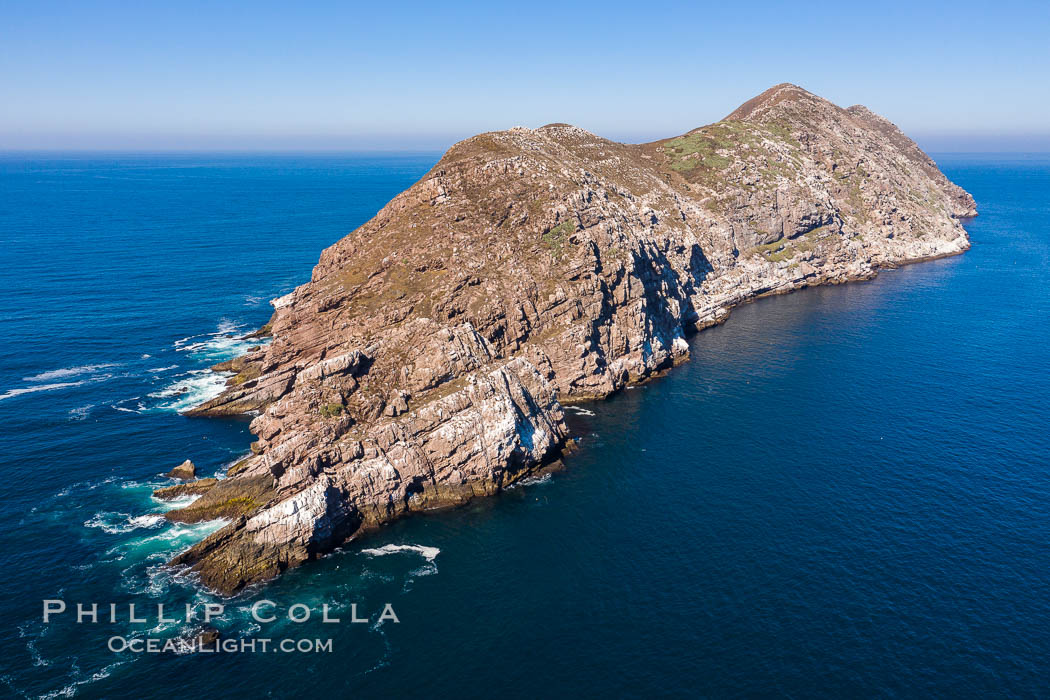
(947, 141)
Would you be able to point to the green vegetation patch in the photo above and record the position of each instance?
(781, 130)
(857, 204)
(555, 238)
(250, 372)
(331, 410)
(786, 248)
(696, 150)
(705, 155)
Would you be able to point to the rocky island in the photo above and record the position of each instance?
(428, 359)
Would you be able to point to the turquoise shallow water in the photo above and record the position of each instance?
(844, 492)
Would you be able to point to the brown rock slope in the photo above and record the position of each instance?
(427, 359)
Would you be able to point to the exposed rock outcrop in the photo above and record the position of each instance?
(185, 471)
(427, 360)
(192, 488)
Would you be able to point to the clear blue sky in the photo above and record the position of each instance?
(338, 75)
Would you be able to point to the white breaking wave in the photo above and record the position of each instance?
(224, 344)
(157, 548)
(178, 535)
(220, 348)
(68, 372)
(175, 503)
(198, 386)
(580, 411)
(81, 413)
(55, 386)
(191, 389)
(150, 485)
(119, 523)
(429, 567)
(139, 406)
(227, 326)
(428, 553)
(39, 387)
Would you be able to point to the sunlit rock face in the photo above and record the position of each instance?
(427, 360)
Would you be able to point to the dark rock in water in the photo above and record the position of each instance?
(195, 641)
(192, 488)
(207, 637)
(185, 471)
(428, 359)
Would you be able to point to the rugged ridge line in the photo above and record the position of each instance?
(427, 360)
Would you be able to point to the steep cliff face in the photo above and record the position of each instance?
(427, 360)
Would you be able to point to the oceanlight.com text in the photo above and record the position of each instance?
(154, 645)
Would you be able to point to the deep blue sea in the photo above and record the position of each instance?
(846, 491)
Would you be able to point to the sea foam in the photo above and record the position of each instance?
(119, 523)
(11, 393)
(68, 372)
(190, 389)
(225, 343)
(428, 553)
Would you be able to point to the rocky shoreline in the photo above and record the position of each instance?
(428, 359)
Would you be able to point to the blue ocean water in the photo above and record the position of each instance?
(845, 491)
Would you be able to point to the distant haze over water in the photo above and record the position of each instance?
(418, 142)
